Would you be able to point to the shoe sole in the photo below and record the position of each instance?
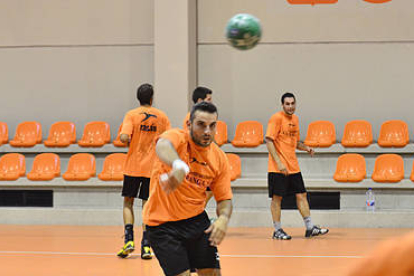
(320, 234)
(282, 239)
(146, 257)
(125, 252)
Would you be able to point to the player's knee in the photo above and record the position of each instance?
(209, 272)
(128, 202)
(301, 196)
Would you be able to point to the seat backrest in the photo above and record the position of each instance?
(221, 133)
(82, 162)
(235, 165)
(97, 131)
(393, 133)
(114, 163)
(13, 162)
(46, 162)
(63, 132)
(357, 133)
(4, 133)
(321, 133)
(389, 163)
(29, 131)
(350, 167)
(249, 131)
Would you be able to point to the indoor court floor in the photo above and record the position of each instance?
(91, 250)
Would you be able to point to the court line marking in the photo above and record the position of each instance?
(113, 254)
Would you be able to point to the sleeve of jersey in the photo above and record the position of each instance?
(273, 127)
(221, 186)
(298, 135)
(127, 125)
(173, 136)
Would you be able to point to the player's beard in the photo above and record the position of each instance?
(198, 141)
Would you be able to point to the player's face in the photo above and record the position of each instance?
(203, 128)
(289, 106)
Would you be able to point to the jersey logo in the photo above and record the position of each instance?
(198, 162)
(147, 116)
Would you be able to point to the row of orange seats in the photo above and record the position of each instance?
(351, 167)
(46, 166)
(357, 133)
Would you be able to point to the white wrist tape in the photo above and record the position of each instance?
(179, 164)
(163, 177)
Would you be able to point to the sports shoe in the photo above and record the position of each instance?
(146, 252)
(281, 235)
(128, 248)
(316, 231)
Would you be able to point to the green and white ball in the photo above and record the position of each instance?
(243, 31)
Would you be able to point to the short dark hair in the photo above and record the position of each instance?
(145, 92)
(287, 95)
(203, 106)
(201, 93)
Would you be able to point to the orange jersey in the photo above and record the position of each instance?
(186, 119)
(208, 168)
(143, 125)
(391, 258)
(284, 131)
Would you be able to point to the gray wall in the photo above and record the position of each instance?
(351, 60)
(73, 60)
(82, 60)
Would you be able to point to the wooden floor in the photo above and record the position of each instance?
(90, 250)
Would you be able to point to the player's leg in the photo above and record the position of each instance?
(203, 257)
(296, 181)
(129, 192)
(145, 242)
(167, 244)
(209, 272)
(209, 195)
(277, 186)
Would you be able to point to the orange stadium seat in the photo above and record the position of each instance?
(12, 166)
(320, 134)
(61, 134)
(113, 167)
(81, 167)
(412, 173)
(4, 133)
(248, 134)
(117, 142)
(388, 168)
(221, 133)
(95, 134)
(235, 165)
(357, 133)
(393, 134)
(27, 134)
(350, 167)
(46, 166)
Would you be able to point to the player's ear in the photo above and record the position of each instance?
(188, 123)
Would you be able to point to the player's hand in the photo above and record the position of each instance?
(169, 182)
(282, 169)
(217, 230)
(311, 151)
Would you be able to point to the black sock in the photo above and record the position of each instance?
(145, 239)
(129, 232)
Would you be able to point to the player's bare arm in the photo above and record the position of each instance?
(218, 229)
(167, 153)
(302, 146)
(272, 150)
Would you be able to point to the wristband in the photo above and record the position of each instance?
(179, 164)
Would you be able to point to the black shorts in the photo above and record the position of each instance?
(285, 185)
(183, 245)
(134, 184)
